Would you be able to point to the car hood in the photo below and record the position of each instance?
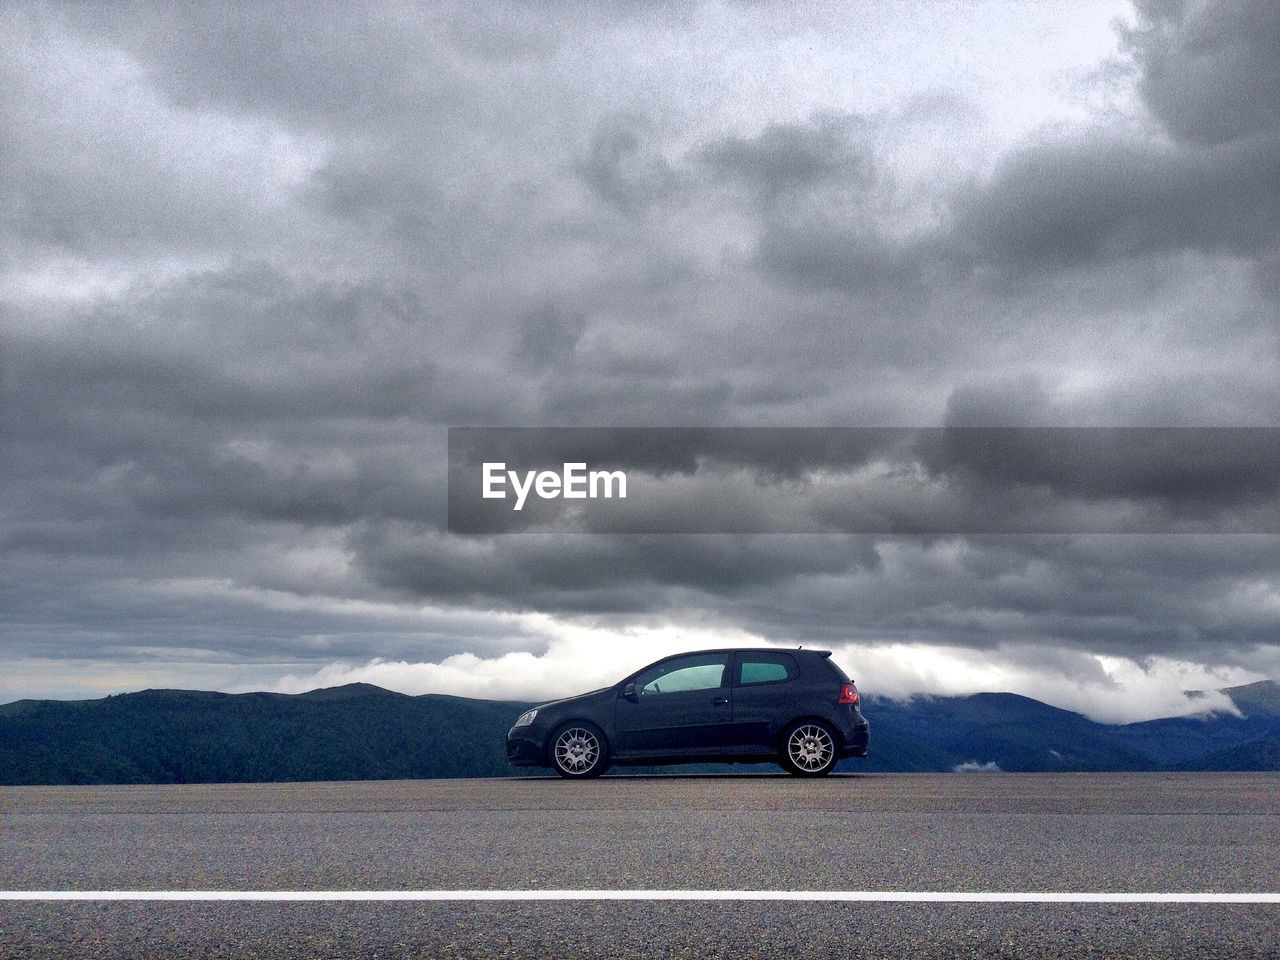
(578, 698)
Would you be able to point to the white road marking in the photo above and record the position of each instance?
(818, 896)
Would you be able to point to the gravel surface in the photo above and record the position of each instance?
(1082, 832)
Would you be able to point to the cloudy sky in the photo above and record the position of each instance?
(255, 260)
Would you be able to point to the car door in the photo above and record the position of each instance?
(677, 707)
(763, 697)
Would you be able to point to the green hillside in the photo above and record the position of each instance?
(356, 732)
(1254, 755)
(362, 732)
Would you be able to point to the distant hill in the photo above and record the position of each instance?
(1261, 698)
(1254, 755)
(1020, 734)
(1016, 733)
(363, 732)
(354, 732)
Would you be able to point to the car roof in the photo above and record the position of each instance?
(689, 653)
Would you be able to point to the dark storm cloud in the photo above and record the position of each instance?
(961, 479)
(360, 187)
(818, 186)
(1210, 71)
(1128, 596)
(829, 256)
(1211, 74)
(1064, 204)
(156, 428)
(623, 169)
(789, 156)
(259, 258)
(601, 575)
(243, 345)
(1055, 206)
(548, 336)
(305, 65)
(600, 580)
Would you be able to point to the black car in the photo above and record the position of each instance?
(795, 707)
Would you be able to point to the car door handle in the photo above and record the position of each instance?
(719, 700)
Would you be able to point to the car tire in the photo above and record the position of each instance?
(809, 749)
(579, 751)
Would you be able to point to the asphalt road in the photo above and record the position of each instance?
(1085, 832)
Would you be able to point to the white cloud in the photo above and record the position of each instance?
(579, 658)
(973, 766)
(576, 659)
(1106, 689)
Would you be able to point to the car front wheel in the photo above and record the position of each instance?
(579, 751)
(808, 749)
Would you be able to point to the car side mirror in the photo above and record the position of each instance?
(629, 693)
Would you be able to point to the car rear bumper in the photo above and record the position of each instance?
(856, 737)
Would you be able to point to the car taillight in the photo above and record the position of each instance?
(849, 694)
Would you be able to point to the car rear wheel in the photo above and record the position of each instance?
(809, 749)
(579, 751)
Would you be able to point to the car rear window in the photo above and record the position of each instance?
(765, 668)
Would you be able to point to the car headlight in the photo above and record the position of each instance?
(525, 719)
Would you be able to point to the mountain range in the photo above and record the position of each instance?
(363, 732)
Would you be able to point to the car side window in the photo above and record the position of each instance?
(705, 672)
(765, 668)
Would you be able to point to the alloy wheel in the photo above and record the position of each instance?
(577, 750)
(811, 748)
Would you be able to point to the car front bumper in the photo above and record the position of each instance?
(526, 747)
